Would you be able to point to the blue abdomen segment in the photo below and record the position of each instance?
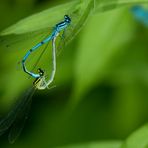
(29, 52)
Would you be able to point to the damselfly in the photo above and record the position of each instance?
(141, 14)
(56, 30)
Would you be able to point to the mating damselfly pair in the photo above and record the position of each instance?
(14, 121)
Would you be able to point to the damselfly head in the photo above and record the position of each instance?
(67, 19)
(40, 83)
(40, 71)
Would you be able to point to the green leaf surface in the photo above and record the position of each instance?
(46, 18)
(41, 20)
(94, 55)
(104, 5)
(105, 144)
(138, 139)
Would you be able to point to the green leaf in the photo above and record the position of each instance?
(98, 46)
(112, 4)
(45, 19)
(81, 10)
(105, 144)
(138, 139)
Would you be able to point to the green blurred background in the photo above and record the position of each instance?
(101, 81)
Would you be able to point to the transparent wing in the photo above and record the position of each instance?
(16, 118)
(21, 118)
(67, 35)
(17, 128)
(61, 40)
(10, 41)
(35, 41)
(39, 57)
(16, 46)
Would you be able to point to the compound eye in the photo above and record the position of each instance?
(41, 72)
(67, 19)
